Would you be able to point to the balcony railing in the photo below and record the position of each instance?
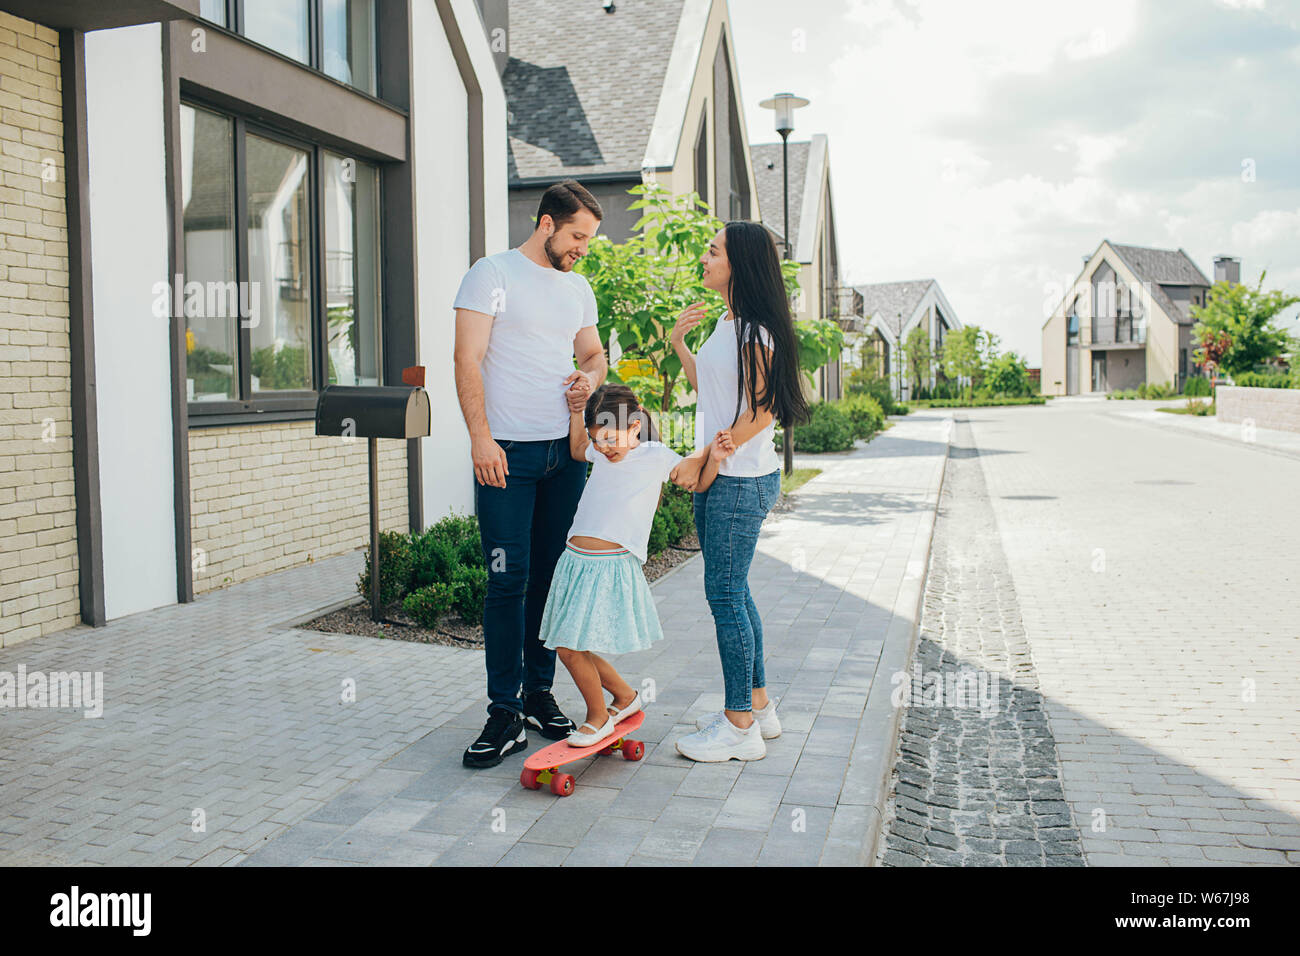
(844, 305)
(1119, 332)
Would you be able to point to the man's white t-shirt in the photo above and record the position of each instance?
(537, 312)
(619, 501)
(715, 409)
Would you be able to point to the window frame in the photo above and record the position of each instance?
(286, 405)
(235, 24)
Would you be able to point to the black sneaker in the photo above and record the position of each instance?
(542, 712)
(503, 734)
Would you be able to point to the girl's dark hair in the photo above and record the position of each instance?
(758, 300)
(616, 406)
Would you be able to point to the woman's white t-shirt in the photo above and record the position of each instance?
(619, 501)
(716, 377)
(537, 313)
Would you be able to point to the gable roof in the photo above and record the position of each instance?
(1158, 268)
(807, 168)
(891, 304)
(583, 86)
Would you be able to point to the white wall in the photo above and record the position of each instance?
(439, 118)
(128, 237)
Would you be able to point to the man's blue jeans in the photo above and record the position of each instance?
(727, 518)
(524, 527)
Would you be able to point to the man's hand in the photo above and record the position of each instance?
(580, 385)
(490, 467)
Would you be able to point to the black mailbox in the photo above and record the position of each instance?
(373, 411)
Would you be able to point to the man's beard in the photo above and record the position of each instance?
(557, 261)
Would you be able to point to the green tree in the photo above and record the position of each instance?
(919, 356)
(1007, 374)
(1246, 316)
(965, 352)
(643, 284)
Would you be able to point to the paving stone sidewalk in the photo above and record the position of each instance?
(218, 712)
(977, 779)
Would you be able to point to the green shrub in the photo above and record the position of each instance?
(1267, 379)
(674, 519)
(469, 590)
(829, 429)
(865, 413)
(1197, 386)
(1007, 375)
(429, 603)
(443, 547)
(877, 388)
(394, 568)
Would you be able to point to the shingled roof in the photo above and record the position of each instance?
(892, 303)
(1161, 267)
(768, 179)
(582, 85)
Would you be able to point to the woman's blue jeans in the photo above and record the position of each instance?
(727, 518)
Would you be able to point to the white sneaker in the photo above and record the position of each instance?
(723, 740)
(768, 723)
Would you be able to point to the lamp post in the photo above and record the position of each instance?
(783, 106)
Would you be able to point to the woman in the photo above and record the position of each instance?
(746, 378)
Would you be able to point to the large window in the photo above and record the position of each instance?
(281, 283)
(336, 37)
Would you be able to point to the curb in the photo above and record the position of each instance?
(872, 761)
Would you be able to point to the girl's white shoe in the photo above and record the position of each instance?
(579, 739)
(620, 715)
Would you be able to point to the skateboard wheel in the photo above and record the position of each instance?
(562, 785)
(529, 779)
(633, 750)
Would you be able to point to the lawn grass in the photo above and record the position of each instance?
(797, 478)
(1202, 409)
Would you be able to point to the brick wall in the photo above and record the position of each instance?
(38, 543)
(1266, 407)
(268, 497)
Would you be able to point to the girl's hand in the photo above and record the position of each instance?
(722, 447)
(689, 319)
(578, 392)
(687, 473)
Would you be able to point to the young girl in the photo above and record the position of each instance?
(600, 602)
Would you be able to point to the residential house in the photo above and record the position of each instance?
(617, 94)
(212, 214)
(1126, 319)
(812, 241)
(892, 310)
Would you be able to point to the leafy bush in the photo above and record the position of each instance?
(429, 603)
(829, 429)
(394, 568)
(469, 590)
(862, 382)
(865, 414)
(674, 519)
(1266, 380)
(441, 548)
(1197, 386)
(1007, 375)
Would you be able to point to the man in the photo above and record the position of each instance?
(522, 316)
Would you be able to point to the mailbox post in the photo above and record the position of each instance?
(373, 412)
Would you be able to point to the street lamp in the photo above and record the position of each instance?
(783, 106)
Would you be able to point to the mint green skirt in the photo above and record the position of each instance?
(600, 602)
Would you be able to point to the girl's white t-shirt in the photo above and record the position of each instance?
(619, 501)
(715, 409)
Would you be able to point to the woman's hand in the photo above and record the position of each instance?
(691, 316)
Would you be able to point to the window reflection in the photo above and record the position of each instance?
(352, 270)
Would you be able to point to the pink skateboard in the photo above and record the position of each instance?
(544, 765)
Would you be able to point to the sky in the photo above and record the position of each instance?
(990, 145)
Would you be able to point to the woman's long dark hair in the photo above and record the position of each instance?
(758, 300)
